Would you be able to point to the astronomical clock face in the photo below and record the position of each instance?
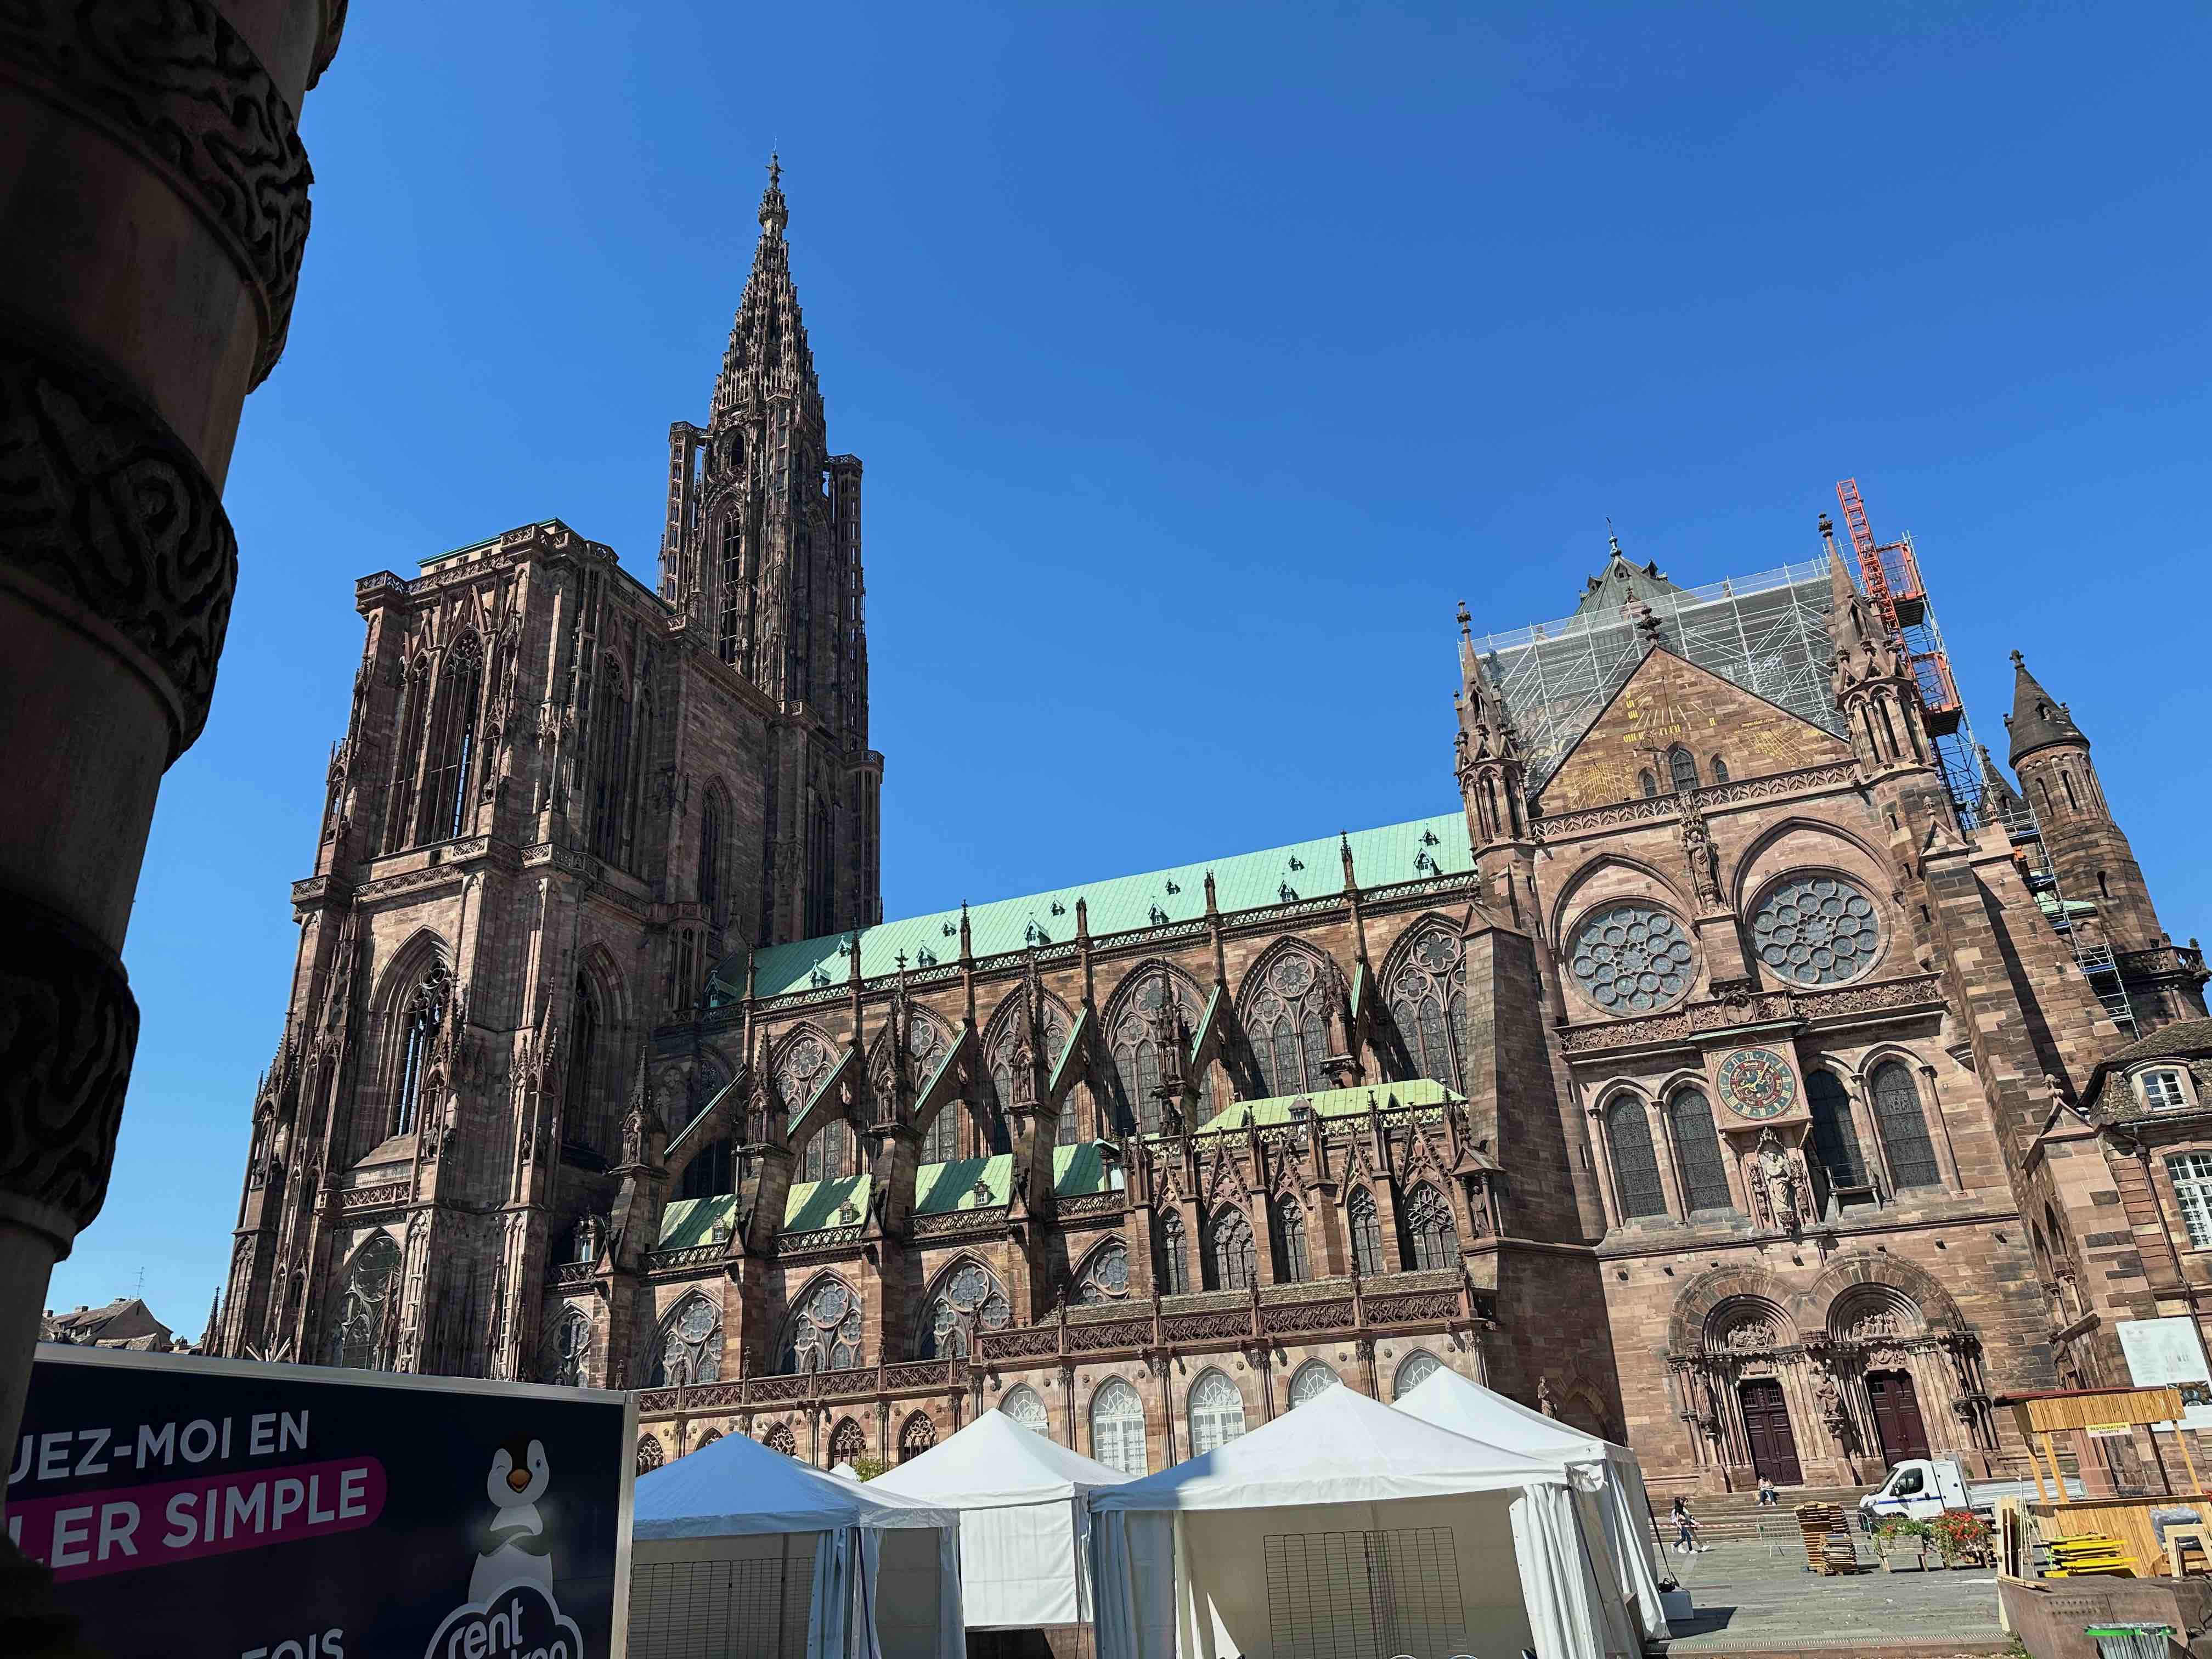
(1758, 1083)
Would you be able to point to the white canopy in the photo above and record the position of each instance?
(1024, 1531)
(1449, 1400)
(734, 1533)
(1349, 1488)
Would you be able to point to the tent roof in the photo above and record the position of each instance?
(1340, 1447)
(995, 1463)
(736, 1487)
(1449, 1400)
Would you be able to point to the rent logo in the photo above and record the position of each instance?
(522, 1622)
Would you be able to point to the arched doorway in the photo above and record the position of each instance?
(1766, 1427)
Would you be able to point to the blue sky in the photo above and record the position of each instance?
(1201, 359)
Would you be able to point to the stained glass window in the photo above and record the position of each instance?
(1428, 1002)
(1698, 1151)
(690, 1345)
(1312, 1380)
(1231, 1261)
(824, 1334)
(1366, 1232)
(969, 1299)
(1904, 1128)
(1105, 1275)
(1288, 1027)
(1816, 930)
(1173, 1273)
(1629, 958)
(1290, 1265)
(1429, 1227)
(1835, 1137)
(1635, 1162)
(371, 1302)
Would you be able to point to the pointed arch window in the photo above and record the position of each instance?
(583, 1112)
(1291, 1262)
(712, 1172)
(414, 707)
(919, 1435)
(611, 771)
(1428, 1002)
(1366, 1227)
(1138, 1059)
(649, 1455)
(1698, 1151)
(1415, 1368)
(824, 1333)
(1635, 1161)
(1174, 1265)
(941, 1144)
(452, 759)
(1288, 1025)
(362, 1338)
(690, 1345)
(733, 588)
(1230, 1262)
(1719, 769)
(424, 1018)
(1217, 1413)
(572, 1351)
(1311, 1381)
(1013, 1036)
(778, 1438)
(710, 859)
(1681, 769)
(968, 1299)
(1105, 1275)
(1024, 1405)
(1835, 1137)
(1429, 1228)
(1647, 783)
(1117, 1429)
(1903, 1127)
(848, 1441)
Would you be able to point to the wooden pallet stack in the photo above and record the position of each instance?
(1829, 1549)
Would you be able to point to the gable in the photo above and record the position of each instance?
(1668, 702)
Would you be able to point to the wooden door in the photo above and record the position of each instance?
(1766, 1424)
(1897, 1420)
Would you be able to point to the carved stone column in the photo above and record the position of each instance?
(154, 198)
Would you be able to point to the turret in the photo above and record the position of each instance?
(2089, 854)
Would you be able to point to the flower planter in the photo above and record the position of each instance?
(1905, 1561)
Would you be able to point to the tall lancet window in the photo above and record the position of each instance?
(580, 1110)
(425, 1013)
(414, 701)
(733, 592)
(451, 760)
(710, 861)
(610, 777)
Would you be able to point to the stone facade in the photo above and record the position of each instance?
(1690, 1089)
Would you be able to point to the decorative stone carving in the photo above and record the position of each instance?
(1816, 929)
(1629, 958)
(173, 81)
(69, 1027)
(100, 501)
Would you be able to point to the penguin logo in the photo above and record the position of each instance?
(516, 1554)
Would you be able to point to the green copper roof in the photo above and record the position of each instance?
(938, 1188)
(1333, 1102)
(1246, 881)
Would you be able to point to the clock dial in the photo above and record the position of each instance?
(1758, 1083)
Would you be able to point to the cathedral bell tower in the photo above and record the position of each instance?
(761, 553)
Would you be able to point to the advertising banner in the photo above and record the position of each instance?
(217, 1508)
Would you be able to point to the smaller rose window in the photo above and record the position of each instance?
(1631, 958)
(1816, 930)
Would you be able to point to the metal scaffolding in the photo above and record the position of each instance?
(1767, 632)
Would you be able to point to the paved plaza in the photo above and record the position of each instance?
(1754, 1597)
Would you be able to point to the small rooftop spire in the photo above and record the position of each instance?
(775, 212)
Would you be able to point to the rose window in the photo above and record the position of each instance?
(1816, 930)
(1631, 958)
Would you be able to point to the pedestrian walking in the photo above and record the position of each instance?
(1685, 1528)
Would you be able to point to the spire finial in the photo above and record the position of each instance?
(774, 213)
(2019, 661)
(1464, 620)
(1612, 538)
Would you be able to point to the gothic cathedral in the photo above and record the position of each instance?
(1686, 1081)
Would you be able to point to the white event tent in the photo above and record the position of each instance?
(1345, 1518)
(736, 1541)
(1451, 1401)
(1024, 1528)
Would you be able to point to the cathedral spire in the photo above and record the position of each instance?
(767, 354)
